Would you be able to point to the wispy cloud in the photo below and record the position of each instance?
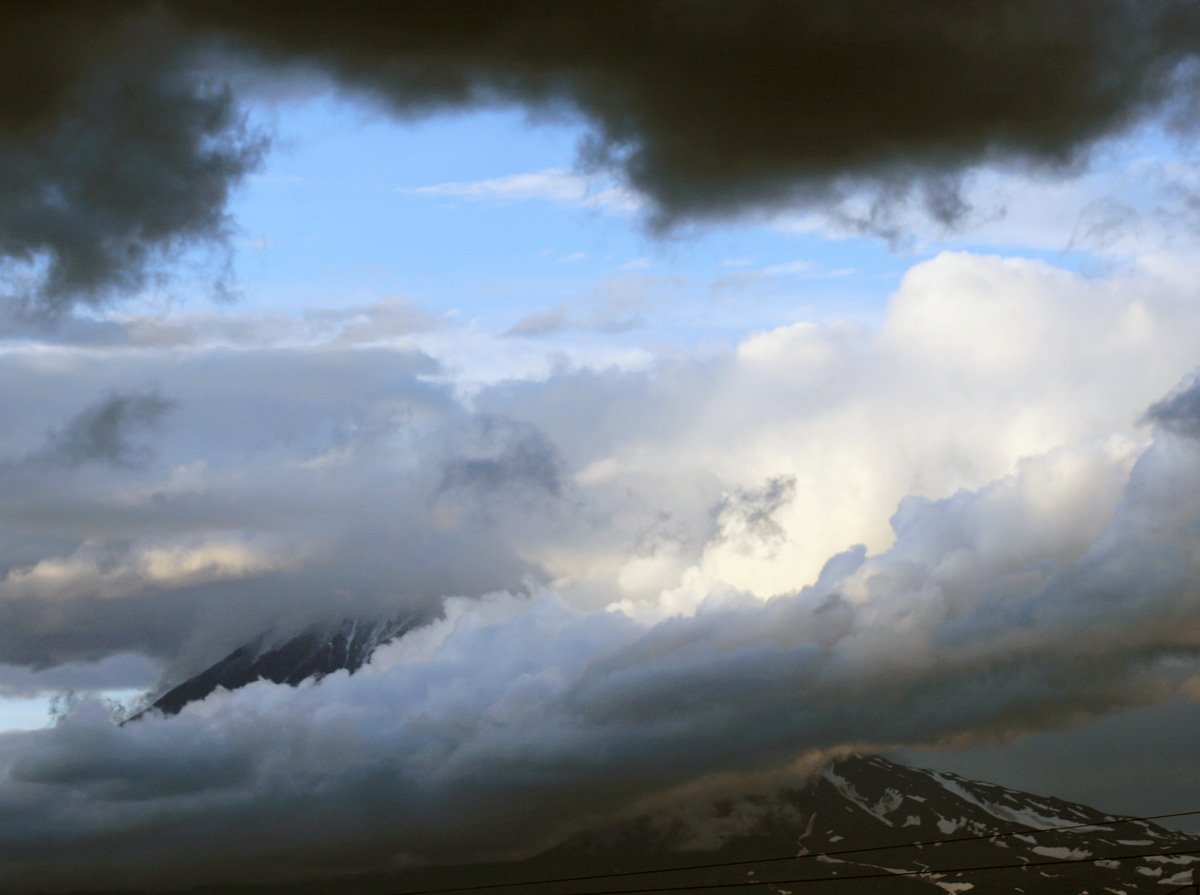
(551, 185)
(541, 323)
(790, 268)
(807, 270)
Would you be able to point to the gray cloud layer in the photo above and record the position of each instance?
(950, 635)
(694, 610)
(119, 140)
(711, 108)
(290, 485)
(105, 433)
(116, 154)
(1179, 412)
(1037, 571)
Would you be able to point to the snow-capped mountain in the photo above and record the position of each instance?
(855, 804)
(877, 826)
(315, 652)
(860, 826)
(864, 802)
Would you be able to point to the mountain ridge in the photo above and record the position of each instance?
(316, 651)
(917, 831)
(889, 827)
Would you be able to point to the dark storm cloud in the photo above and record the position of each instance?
(120, 142)
(105, 433)
(115, 153)
(715, 108)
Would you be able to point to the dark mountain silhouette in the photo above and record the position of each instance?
(924, 829)
(866, 802)
(315, 652)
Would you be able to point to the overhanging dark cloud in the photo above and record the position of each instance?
(116, 154)
(717, 107)
(119, 142)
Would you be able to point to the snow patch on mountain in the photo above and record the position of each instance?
(846, 788)
(1073, 854)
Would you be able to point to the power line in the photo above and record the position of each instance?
(810, 856)
(889, 874)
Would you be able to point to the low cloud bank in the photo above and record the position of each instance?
(987, 617)
(715, 590)
(122, 137)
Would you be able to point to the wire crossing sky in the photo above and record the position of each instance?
(722, 386)
(892, 874)
(805, 856)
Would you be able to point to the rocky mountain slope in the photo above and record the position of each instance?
(315, 652)
(861, 826)
(854, 826)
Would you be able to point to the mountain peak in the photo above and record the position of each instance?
(313, 653)
(891, 829)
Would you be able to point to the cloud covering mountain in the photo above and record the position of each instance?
(669, 633)
(639, 564)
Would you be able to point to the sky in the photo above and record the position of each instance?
(723, 386)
